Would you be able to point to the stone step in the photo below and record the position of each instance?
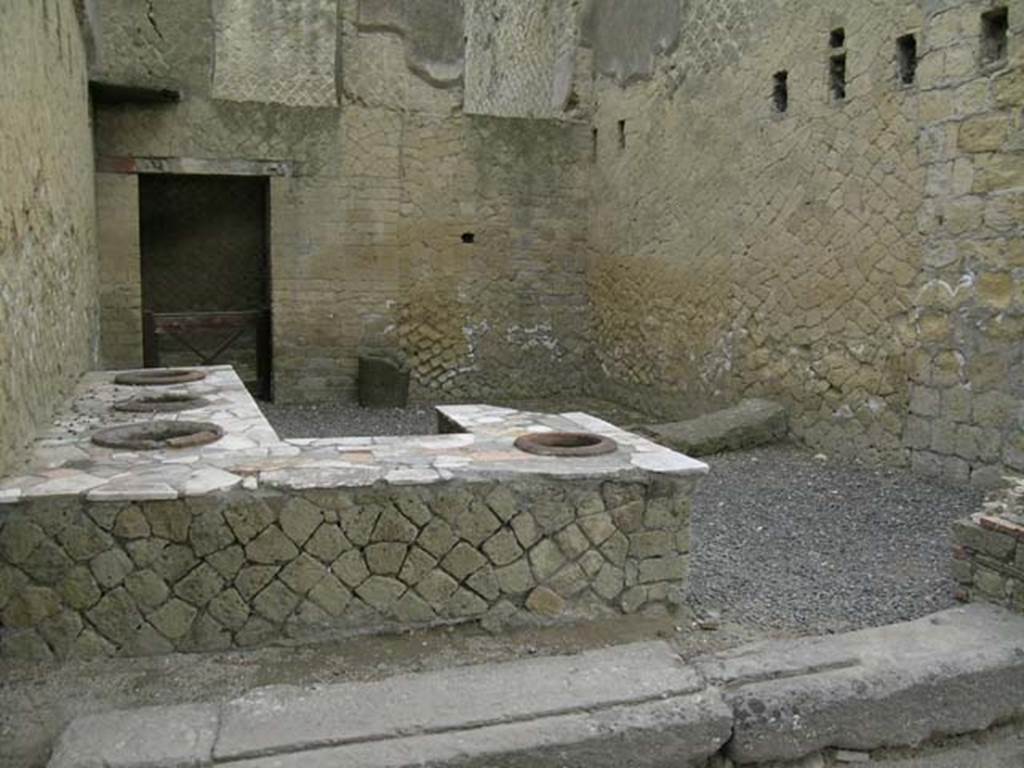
(753, 422)
(546, 711)
(959, 671)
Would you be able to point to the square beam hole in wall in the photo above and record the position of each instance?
(906, 59)
(837, 38)
(995, 26)
(780, 91)
(837, 76)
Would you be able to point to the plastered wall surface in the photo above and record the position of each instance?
(824, 256)
(48, 270)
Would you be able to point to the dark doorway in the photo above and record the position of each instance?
(205, 286)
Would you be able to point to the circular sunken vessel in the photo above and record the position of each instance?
(169, 402)
(159, 377)
(566, 444)
(155, 435)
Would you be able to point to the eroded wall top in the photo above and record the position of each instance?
(432, 30)
(275, 52)
(627, 37)
(520, 57)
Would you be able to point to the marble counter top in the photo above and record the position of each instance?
(64, 462)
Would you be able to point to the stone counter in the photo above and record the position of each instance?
(253, 539)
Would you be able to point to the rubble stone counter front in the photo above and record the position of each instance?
(252, 539)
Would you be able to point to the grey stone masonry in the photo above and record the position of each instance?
(245, 567)
(252, 540)
(988, 559)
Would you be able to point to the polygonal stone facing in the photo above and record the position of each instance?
(276, 52)
(237, 570)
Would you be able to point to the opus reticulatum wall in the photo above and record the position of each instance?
(818, 202)
(241, 569)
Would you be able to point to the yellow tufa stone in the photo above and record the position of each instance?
(995, 290)
(983, 134)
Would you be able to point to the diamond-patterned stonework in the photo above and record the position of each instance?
(254, 539)
(237, 570)
(261, 57)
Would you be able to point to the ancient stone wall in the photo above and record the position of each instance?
(117, 234)
(779, 208)
(988, 550)
(48, 286)
(397, 222)
(817, 202)
(520, 57)
(988, 561)
(244, 568)
(967, 372)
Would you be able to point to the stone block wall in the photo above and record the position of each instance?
(854, 256)
(967, 372)
(240, 569)
(988, 561)
(48, 274)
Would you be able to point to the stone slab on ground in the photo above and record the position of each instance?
(557, 711)
(678, 732)
(959, 671)
(150, 737)
(751, 423)
(281, 718)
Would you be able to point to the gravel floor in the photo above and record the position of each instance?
(337, 420)
(346, 420)
(784, 540)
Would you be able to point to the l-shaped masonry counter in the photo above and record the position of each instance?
(254, 539)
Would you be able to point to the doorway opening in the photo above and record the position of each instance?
(205, 274)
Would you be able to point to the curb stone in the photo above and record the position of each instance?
(958, 671)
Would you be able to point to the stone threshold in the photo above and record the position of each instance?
(63, 461)
(956, 672)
